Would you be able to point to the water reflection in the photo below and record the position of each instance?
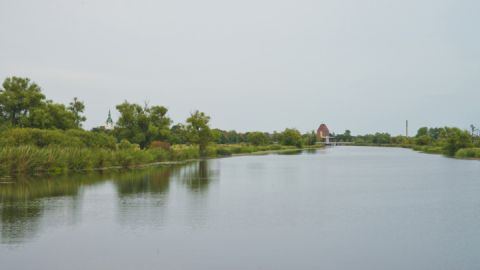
(197, 177)
(291, 152)
(28, 206)
(311, 150)
(150, 180)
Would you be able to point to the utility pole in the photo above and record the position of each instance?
(406, 128)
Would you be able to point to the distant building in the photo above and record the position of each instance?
(109, 123)
(323, 134)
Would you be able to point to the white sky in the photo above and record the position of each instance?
(255, 64)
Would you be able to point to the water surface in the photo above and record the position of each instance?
(339, 208)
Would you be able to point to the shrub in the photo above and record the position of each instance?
(468, 153)
(160, 144)
(291, 137)
(223, 152)
(454, 139)
(43, 138)
(93, 139)
(160, 154)
(126, 145)
(184, 152)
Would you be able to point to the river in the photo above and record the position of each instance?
(337, 208)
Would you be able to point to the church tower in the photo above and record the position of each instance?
(109, 123)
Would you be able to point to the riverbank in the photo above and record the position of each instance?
(31, 160)
(463, 153)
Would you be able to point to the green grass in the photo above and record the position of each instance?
(468, 153)
(429, 149)
(54, 160)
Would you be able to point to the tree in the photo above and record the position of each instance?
(381, 138)
(423, 131)
(258, 138)
(454, 139)
(310, 138)
(51, 115)
(345, 137)
(18, 98)
(435, 133)
(178, 134)
(142, 125)
(199, 131)
(423, 140)
(291, 136)
(77, 107)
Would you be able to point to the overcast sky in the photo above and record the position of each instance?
(255, 64)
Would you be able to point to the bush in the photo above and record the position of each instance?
(468, 153)
(454, 139)
(184, 152)
(223, 152)
(258, 138)
(291, 137)
(160, 155)
(161, 145)
(93, 139)
(43, 138)
(126, 145)
(428, 149)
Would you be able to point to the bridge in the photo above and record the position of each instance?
(330, 141)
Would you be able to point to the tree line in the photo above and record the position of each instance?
(444, 140)
(23, 105)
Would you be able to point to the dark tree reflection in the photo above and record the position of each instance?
(197, 176)
(149, 180)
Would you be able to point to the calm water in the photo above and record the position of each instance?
(340, 208)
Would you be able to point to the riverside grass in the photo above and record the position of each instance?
(463, 153)
(469, 153)
(54, 160)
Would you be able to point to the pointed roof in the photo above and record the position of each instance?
(109, 119)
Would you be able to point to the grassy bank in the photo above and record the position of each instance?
(465, 153)
(469, 153)
(53, 160)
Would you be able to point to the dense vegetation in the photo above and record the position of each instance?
(38, 136)
(449, 141)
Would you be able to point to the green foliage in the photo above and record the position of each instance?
(428, 149)
(454, 139)
(77, 107)
(377, 138)
(345, 137)
(423, 131)
(468, 153)
(22, 104)
(184, 152)
(55, 159)
(310, 138)
(142, 125)
(179, 134)
(91, 139)
(44, 138)
(423, 140)
(126, 145)
(402, 140)
(51, 116)
(427, 136)
(198, 131)
(258, 138)
(291, 136)
(17, 98)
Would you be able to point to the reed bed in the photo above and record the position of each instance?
(54, 160)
